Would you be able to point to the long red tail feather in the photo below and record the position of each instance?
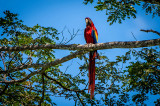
(91, 74)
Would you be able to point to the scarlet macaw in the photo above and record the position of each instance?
(91, 36)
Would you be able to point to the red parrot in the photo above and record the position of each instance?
(91, 36)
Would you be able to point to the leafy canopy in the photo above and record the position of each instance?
(118, 10)
(136, 72)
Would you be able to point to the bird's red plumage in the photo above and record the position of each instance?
(89, 39)
(88, 31)
(87, 35)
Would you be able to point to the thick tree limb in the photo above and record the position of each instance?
(150, 31)
(44, 66)
(88, 47)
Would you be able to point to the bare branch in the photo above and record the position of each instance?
(23, 79)
(156, 32)
(80, 99)
(42, 98)
(134, 36)
(62, 35)
(72, 36)
(57, 82)
(88, 47)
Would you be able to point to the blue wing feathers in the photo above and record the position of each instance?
(95, 40)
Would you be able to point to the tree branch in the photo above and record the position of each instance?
(150, 31)
(80, 99)
(47, 65)
(88, 47)
(21, 80)
(44, 66)
(57, 82)
(42, 98)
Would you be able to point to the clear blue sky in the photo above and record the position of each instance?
(71, 13)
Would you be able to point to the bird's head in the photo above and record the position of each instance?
(88, 21)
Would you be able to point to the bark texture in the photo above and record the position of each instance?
(88, 47)
(81, 49)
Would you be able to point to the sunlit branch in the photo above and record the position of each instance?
(88, 47)
(156, 32)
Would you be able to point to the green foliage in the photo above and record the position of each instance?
(153, 9)
(115, 80)
(15, 33)
(119, 10)
(144, 75)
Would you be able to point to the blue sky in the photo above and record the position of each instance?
(71, 13)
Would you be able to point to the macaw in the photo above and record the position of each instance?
(91, 36)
